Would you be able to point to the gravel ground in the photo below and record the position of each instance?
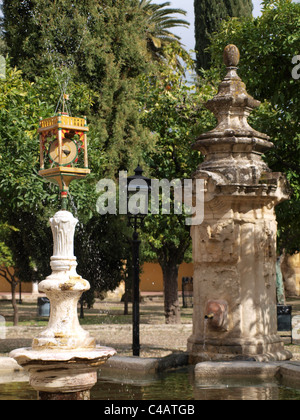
(111, 328)
(156, 341)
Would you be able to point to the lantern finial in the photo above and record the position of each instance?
(63, 151)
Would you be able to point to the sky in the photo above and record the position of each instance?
(187, 34)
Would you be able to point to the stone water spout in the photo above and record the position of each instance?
(234, 249)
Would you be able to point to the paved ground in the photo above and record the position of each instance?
(107, 323)
(156, 341)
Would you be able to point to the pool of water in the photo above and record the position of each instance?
(175, 385)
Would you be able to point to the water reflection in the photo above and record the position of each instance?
(241, 390)
(175, 385)
(180, 385)
(271, 391)
(17, 391)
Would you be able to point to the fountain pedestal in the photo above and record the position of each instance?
(64, 359)
(234, 249)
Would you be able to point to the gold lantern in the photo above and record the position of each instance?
(63, 151)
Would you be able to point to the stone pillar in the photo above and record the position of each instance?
(64, 359)
(234, 249)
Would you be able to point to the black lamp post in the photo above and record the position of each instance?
(137, 184)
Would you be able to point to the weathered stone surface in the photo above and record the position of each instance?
(62, 371)
(210, 374)
(236, 369)
(131, 364)
(234, 249)
(290, 371)
(10, 371)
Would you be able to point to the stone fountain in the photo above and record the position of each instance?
(234, 249)
(64, 359)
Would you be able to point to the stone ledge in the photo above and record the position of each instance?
(290, 370)
(10, 371)
(127, 364)
(235, 369)
(137, 365)
(214, 370)
(7, 364)
(117, 366)
(129, 367)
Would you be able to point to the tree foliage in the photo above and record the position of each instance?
(98, 50)
(159, 20)
(100, 258)
(174, 112)
(27, 200)
(208, 16)
(99, 44)
(20, 109)
(268, 45)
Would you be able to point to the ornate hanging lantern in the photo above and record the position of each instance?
(63, 151)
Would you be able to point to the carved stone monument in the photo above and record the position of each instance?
(234, 249)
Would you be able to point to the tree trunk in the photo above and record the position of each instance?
(14, 302)
(171, 301)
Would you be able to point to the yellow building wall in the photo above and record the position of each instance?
(151, 279)
(6, 288)
(152, 276)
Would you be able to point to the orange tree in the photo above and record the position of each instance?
(269, 47)
(173, 111)
(22, 194)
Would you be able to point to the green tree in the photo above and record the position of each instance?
(6, 264)
(100, 259)
(208, 16)
(27, 200)
(21, 190)
(22, 103)
(20, 33)
(268, 45)
(100, 44)
(101, 48)
(174, 112)
(160, 20)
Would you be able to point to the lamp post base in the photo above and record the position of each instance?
(136, 295)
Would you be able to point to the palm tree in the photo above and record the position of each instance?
(159, 22)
